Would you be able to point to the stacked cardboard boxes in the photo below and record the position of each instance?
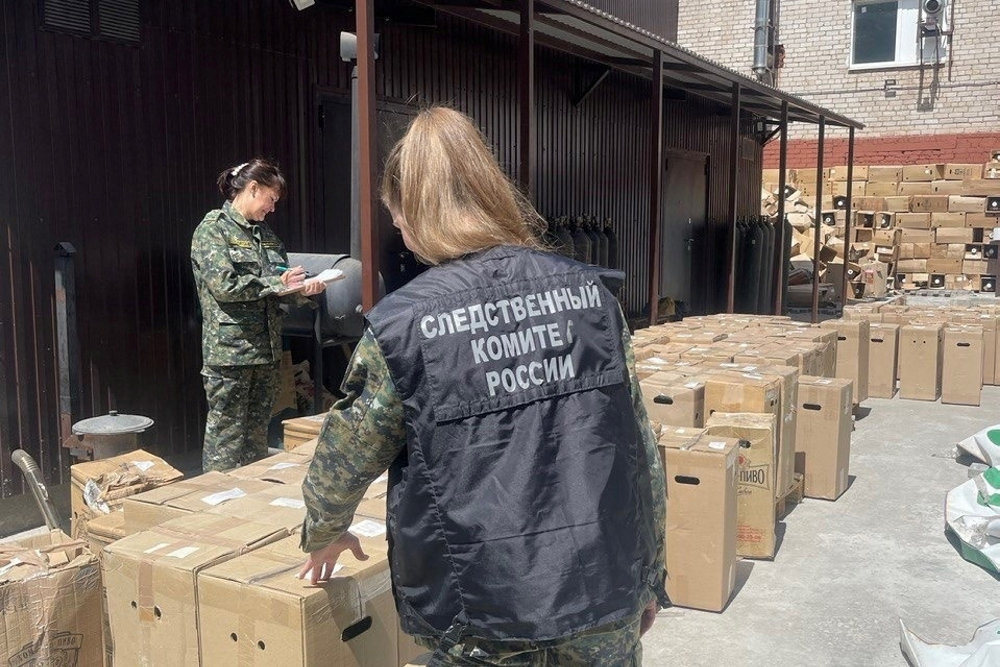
(930, 224)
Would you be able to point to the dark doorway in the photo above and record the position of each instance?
(685, 202)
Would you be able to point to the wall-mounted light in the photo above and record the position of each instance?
(349, 46)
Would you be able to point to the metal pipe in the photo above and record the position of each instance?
(780, 242)
(526, 76)
(365, 26)
(818, 221)
(848, 216)
(33, 475)
(655, 185)
(761, 31)
(734, 162)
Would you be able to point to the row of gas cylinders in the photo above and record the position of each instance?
(583, 238)
(755, 262)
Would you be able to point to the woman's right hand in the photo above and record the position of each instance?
(293, 277)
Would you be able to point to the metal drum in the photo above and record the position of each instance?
(340, 311)
(106, 436)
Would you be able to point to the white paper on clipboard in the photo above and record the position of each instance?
(325, 276)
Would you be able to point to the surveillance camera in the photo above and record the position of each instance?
(932, 6)
(303, 4)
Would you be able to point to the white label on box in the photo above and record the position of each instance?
(143, 466)
(693, 385)
(183, 552)
(14, 562)
(656, 360)
(294, 503)
(368, 528)
(282, 466)
(749, 369)
(717, 445)
(156, 548)
(222, 496)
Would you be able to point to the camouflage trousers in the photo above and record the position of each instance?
(239, 409)
(614, 645)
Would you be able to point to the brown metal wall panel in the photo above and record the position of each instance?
(657, 16)
(115, 148)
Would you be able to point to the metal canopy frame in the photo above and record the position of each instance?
(573, 27)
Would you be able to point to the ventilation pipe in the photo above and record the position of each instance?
(761, 34)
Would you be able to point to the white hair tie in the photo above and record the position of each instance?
(237, 170)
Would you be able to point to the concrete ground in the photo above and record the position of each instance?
(847, 571)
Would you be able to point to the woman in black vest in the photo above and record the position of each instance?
(525, 511)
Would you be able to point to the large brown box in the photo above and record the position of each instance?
(930, 203)
(677, 403)
(948, 220)
(960, 172)
(966, 204)
(944, 265)
(153, 507)
(920, 348)
(947, 187)
(755, 487)
(50, 601)
(923, 172)
(881, 189)
(914, 220)
(280, 468)
(299, 430)
(852, 353)
(883, 174)
(858, 173)
(916, 189)
(883, 348)
(962, 366)
(701, 522)
(898, 204)
(99, 487)
(150, 580)
(916, 236)
(840, 188)
(823, 448)
(254, 611)
(953, 235)
(911, 266)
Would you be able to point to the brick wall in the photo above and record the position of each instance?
(955, 98)
(968, 148)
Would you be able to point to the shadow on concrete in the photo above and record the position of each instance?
(861, 412)
(743, 569)
(779, 536)
(850, 483)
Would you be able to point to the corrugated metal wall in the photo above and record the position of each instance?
(657, 16)
(115, 148)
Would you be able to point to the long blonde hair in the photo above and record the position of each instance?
(446, 190)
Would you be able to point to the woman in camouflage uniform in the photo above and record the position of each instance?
(241, 270)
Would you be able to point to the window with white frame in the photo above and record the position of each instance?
(897, 33)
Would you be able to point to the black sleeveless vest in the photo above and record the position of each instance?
(517, 510)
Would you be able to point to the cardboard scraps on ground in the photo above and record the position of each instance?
(982, 651)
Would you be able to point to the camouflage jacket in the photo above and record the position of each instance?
(235, 269)
(364, 432)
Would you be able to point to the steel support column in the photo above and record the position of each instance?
(526, 85)
(780, 242)
(819, 220)
(655, 184)
(365, 30)
(850, 214)
(734, 162)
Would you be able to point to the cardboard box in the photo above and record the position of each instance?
(991, 170)
(677, 403)
(281, 468)
(981, 187)
(962, 365)
(920, 356)
(947, 220)
(919, 189)
(965, 204)
(972, 251)
(974, 267)
(881, 189)
(930, 203)
(278, 505)
(883, 174)
(898, 204)
(947, 187)
(859, 173)
(99, 487)
(883, 348)
(755, 487)
(912, 266)
(944, 265)
(153, 507)
(300, 430)
(982, 220)
(50, 598)
(701, 522)
(278, 619)
(824, 435)
(960, 172)
(852, 353)
(953, 235)
(913, 220)
(923, 172)
(150, 579)
(916, 236)
(839, 188)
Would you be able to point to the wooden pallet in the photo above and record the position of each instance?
(793, 496)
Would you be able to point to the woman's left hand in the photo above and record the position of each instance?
(313, 287)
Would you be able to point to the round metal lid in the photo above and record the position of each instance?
(112, 424)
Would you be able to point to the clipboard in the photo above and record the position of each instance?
(326, 276)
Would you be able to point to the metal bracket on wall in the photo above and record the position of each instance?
(586, 89)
